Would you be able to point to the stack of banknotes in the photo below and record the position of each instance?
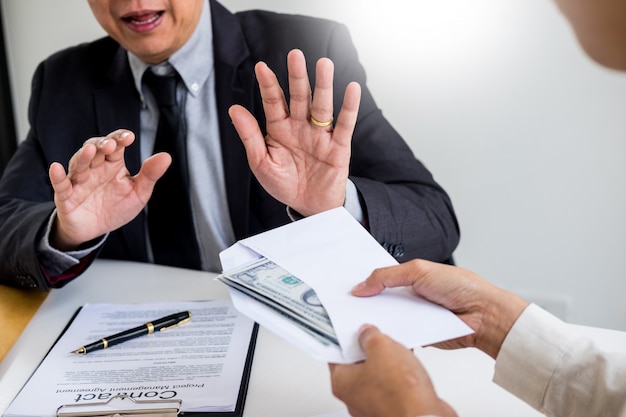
(286, 294)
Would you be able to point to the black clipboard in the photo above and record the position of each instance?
(154, 408)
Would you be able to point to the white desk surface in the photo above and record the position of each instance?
(284, 381)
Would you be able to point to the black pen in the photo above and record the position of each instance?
(159, 325)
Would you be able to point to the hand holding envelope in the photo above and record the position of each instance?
(331, 252)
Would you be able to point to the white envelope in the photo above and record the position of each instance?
(331, 252)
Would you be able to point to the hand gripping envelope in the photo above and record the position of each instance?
(329, 253)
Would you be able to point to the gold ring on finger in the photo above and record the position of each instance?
(321, 124)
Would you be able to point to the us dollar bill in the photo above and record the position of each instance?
(275, 287)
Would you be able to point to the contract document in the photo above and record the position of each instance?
(205, 362)
(296, 281)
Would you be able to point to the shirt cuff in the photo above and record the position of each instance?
(55, 261)
(539, 339)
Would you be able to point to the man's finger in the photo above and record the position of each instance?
(60, 183)
(322, 103)
(250, 134)
(299, 86)
(367, 335)
(346, 120)
(274, 103)
(402, 275)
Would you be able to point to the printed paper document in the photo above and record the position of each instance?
(201, 362)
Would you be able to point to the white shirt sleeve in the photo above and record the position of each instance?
(558, 371)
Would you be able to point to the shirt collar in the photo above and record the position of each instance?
(193, 62)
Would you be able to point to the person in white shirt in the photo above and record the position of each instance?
(570, 376)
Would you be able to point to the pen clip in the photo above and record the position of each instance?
(187, 320)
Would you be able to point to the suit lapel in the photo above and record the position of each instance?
(116, 108)
(234, 83)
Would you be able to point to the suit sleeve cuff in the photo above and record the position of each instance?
(56, 262)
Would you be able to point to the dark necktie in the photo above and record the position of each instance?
(170, 222)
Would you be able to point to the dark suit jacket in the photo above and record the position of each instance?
(87, 91)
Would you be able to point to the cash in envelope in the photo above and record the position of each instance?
(285, 293)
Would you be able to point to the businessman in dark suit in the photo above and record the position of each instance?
(256, 159)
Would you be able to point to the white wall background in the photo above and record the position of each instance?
(526, 133)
